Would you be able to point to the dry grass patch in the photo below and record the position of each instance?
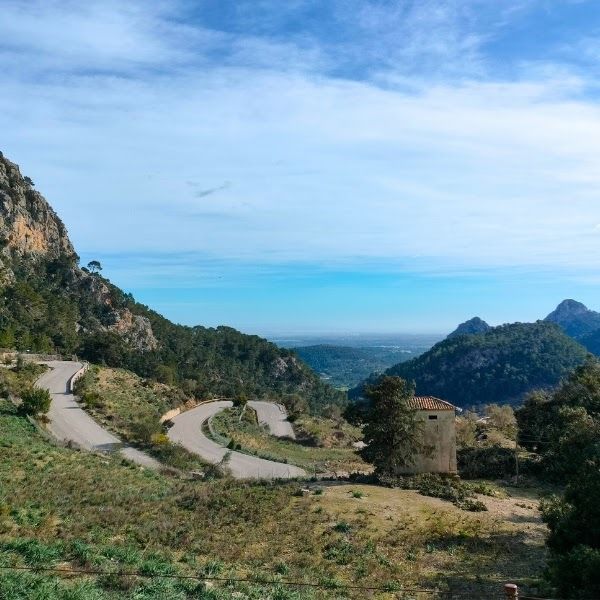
(434, 543)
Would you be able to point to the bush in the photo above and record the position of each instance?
(576, 574)
(493, 462)
(35, 401)
(144, 428)
(445, 487)
(472, 505)
(160, 439)
(92, 399)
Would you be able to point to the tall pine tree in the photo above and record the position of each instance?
(392, 432)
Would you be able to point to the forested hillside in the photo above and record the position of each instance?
(497, 366)
(50, 304)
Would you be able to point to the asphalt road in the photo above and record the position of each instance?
(187, 431)
(274, 416)
(69, 423)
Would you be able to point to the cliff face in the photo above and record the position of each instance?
(31, 233)
(28, 225)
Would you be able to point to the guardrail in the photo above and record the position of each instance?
(77, 376)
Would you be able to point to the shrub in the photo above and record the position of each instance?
(92, 399)
(445, 487)
(342, 527)
(492, 462)
(576, 574)
(160, 439)
(472, 505)
(240, 399)
(35, 401)
(144, 428)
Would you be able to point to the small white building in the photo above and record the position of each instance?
(439, 434)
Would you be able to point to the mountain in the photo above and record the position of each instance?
(575, 318)
(499, 365)
(470, 327)
(49, 304)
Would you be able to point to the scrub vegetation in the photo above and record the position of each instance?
(131, 407)
(74, 510)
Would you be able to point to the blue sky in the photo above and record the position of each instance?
(317, 166)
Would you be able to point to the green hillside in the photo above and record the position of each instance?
(500, 365)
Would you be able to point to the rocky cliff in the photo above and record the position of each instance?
(28, 225)
(32, 234)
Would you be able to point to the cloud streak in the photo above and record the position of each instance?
(203, 193)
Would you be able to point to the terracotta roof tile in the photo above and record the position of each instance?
(429, 403)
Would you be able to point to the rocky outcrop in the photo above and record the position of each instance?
(30, 230)
(135, 330)
(28, 225)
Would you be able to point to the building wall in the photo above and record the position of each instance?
(439, 433)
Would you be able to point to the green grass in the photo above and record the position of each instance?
(70, 509)
(248, 436)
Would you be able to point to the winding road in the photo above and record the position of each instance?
(274, 416)
(70, 423)
(187, 431)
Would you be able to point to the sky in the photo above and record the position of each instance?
(317, 166)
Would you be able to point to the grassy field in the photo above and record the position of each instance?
(73, 510)
(132, 407)
(323, 445)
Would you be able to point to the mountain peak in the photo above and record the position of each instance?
(575, 318)
(471, 327)
(570, 306)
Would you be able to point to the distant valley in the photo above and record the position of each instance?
(346, 360)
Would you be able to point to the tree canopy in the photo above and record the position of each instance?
(392, 433)
(563, 428)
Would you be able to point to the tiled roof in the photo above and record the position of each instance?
(429, 403)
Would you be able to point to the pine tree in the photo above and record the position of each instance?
(392, 433)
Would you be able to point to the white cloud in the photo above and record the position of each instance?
(468, 172)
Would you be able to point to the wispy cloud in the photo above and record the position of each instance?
(375, 131)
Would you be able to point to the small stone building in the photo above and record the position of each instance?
(439, 431)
